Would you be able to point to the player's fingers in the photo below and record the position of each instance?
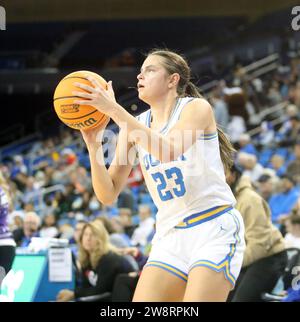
(83, 95)
(85, 87)
(94, 82)
(84, 102)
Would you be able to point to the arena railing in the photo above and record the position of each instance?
(278, 120)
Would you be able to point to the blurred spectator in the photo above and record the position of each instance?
(236, 102)
(16, 220)
(126, 199)
(116, 237)
(220, 109)
(266, 186)
(32, 191)
(7, 244)
(19, 167)
(291, 135)
(125, 216)
(246, 145)
(278, 164)
(292, 227)
(250, 165)
(265, 248)
(30, 229)
(66, 231)
(145, 227)
(293, 168)
(80, 180)
(100, 263)
(282, 203)
(49, 228)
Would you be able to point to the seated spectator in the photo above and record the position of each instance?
(117, 237)
(30, 229)
(278, 164)
(126, 199)
(19, 167)
(145, 227)
(220, 109)
(282, 203)
(292, 135)
(266, 186)
(293, 168)
(292, 226)
(49, 228)
(32, 192)
(246, 145)
(251, 167)
(100, 263)
(125, 216)
(265, 248)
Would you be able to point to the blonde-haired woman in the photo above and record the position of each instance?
(7, 243)
(100, 263)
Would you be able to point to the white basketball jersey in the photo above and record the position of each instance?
(193, 183)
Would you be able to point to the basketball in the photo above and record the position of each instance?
(78, 117)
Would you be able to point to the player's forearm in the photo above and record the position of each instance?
(162, 148)
(102, 183)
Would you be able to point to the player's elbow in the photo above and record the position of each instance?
(106, 200)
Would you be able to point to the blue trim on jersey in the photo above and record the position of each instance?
(209, 136)
(169, 268)
(202, 217)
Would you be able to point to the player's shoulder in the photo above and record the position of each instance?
(196, 106)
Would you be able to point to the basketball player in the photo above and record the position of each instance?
(197, 250)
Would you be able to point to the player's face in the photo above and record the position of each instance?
(152, 80)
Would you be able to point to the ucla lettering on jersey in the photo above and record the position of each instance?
(191, 184)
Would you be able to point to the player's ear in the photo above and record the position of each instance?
(174, 80)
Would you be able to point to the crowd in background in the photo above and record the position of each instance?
(52, 196)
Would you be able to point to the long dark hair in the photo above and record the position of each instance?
(175, 63)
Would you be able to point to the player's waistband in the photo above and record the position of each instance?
(203, 216)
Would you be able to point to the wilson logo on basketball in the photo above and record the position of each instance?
(69, 108)
(80, 125)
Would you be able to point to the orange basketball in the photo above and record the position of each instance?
(79, 117)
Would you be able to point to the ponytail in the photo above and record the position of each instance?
(226, 150)
(192, 90)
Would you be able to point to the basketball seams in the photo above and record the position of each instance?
(77, 118)
(65, 97)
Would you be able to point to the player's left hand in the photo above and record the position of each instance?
(102, 99)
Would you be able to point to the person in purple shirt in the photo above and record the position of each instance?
(7, 243)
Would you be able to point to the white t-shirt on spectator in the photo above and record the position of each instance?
(141, 233)
(236, 128)
(292, 241)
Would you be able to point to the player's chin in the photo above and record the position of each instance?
(142, 96)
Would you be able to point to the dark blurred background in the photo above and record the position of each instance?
(45, 40)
